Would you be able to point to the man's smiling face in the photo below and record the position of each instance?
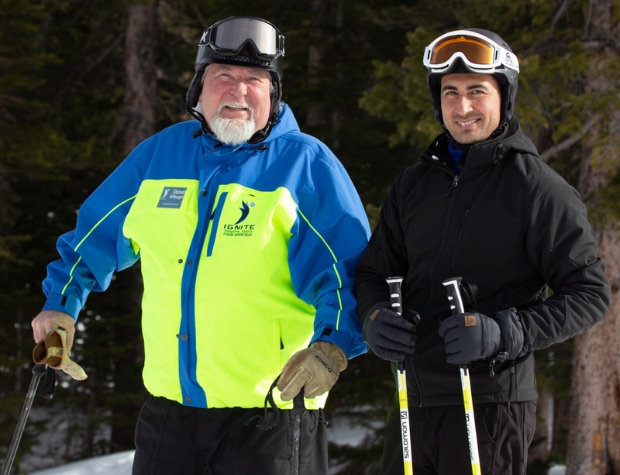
(470, 106)
(236, 93)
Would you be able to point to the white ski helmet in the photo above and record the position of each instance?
(473, 50)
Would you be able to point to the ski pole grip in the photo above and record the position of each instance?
(39, 370)
(396, 298)
(454, 295)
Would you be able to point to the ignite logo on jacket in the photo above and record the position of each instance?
(240, 228)
(245, 211)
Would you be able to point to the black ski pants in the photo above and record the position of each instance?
(439, 439)
(173, 439)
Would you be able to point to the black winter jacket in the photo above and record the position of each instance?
(509, 225)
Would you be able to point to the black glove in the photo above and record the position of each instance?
(392, 336)
(512, 333)
(474, 336)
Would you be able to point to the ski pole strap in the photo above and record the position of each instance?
(299, 407)
(263, 421)
(47, 389)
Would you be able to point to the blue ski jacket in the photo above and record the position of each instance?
(248, 255)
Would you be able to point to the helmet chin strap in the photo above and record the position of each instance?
(200, 118)
(262, 134)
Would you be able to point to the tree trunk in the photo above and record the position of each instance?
(139, 124)
(594, 436)
(141, 79)
(316, 52)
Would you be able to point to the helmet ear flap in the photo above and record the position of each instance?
(194, 90)
(277, 94)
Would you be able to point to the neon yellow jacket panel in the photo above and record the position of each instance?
(247, 254)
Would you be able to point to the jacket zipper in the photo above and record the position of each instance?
(191, 391)
(215, 222)
(417, 383)
(458, 238)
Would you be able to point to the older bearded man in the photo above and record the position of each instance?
(235, 101)
(248, 233)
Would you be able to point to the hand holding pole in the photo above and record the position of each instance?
(403, 399)
(456, 306)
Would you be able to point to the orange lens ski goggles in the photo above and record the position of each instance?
(479, 53)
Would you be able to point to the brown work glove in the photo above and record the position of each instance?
(316, 369)
(52, 351)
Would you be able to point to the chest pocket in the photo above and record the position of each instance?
(252, 225)
(163, 219)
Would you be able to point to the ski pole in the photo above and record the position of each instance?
(403, 398)
(37, 371)
(299, 409)
(456, 305)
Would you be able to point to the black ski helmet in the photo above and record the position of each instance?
(500, 62)
(240, 41)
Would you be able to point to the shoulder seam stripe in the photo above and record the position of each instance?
(87, 235)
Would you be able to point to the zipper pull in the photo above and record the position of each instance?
(455, 182)
(492, 368)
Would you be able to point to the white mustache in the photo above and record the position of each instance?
(235, 105)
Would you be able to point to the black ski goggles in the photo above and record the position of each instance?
(228, 37)
(479, 53)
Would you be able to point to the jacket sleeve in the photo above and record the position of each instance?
(561, 246)
(384, 257)
(96, 248)
(332, 232)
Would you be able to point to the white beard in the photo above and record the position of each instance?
(230, 131)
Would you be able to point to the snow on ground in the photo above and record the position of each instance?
(557, 470)
(113, 464)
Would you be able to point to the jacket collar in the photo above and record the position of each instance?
(483, 154)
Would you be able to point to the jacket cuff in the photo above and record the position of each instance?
(370, 311)
(511, 332)
(341, 339)
(63, 303)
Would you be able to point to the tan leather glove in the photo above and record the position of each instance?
(54, 349)
(316, 369)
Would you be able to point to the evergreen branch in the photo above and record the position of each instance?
(569, 142)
